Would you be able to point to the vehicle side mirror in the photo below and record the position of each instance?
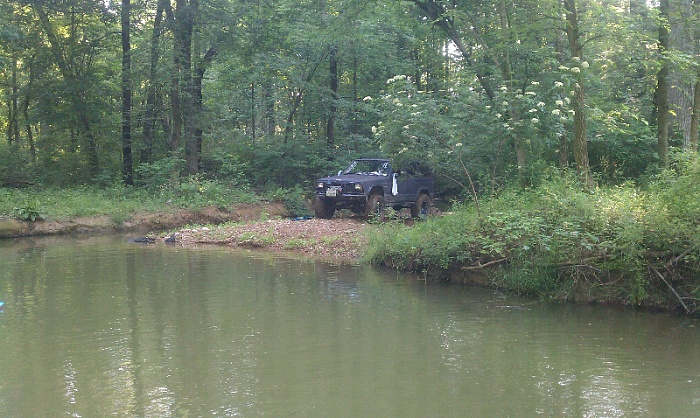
(339, 172)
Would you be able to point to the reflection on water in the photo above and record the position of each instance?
(96, 326)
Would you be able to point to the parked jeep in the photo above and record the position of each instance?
(368, 185)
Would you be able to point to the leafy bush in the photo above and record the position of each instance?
(159, 174)
(294, 200)
(16, 169)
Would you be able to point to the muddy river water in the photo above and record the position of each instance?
(96, 326)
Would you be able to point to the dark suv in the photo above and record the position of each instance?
(368, 185)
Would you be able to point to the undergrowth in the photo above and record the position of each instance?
(118, 201)
(623, 244)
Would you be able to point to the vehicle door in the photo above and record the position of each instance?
(414, 178)
(405, 186)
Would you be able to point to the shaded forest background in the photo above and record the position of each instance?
(259, 94)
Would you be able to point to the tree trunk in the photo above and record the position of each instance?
(14, 113)
(200, 69)
(183, 83)
(333, 68)
(663, 84)
(695, 118)
(253, 122)
(580, 142)
(150, 111)
(127, 162)
(25, 113)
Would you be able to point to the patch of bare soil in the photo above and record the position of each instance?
(339, 239)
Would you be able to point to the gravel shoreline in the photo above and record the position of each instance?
(339, 239)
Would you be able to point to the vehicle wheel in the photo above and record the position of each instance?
(421, 208)
(323, 208)
(374, 209)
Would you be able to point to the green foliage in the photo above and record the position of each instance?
(15, 170)
(28, 213)
(159, 174)
(560, 240)
(294, 200)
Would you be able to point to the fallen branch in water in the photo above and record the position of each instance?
(680, 299)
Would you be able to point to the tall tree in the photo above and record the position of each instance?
(663, 83)
(150, 112)
(695, 118)
(127, 161)
(580, 143)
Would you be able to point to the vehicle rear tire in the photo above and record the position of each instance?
(374, 209)
(323, 208)
(421, 208)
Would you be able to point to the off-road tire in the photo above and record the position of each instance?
(323, 208)
(374, 208)
(421, 208)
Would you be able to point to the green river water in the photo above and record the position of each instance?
(96, 327)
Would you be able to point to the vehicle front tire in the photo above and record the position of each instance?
(323, 208)
(421, 208)
(374, 209)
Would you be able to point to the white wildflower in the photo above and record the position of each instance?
(575, 70)
(556, 111)
(535, 120)
(540, 104)
(559, 103)
(585, 64)
(535, 83)
(558, 84)
(367, 99)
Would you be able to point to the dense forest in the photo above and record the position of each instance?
(276, 92)
(563, 132)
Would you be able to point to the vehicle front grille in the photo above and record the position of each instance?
(346, 188)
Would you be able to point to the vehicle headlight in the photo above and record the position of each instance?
(359, 188)
(320, 185)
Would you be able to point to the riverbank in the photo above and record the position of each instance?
(140, 221)
(337, 239)
(261, 225)
(618, 245)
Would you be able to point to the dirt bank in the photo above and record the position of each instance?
(340, 239)
(141, 222)
(260, 225)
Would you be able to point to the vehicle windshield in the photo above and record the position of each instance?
(368, 167)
